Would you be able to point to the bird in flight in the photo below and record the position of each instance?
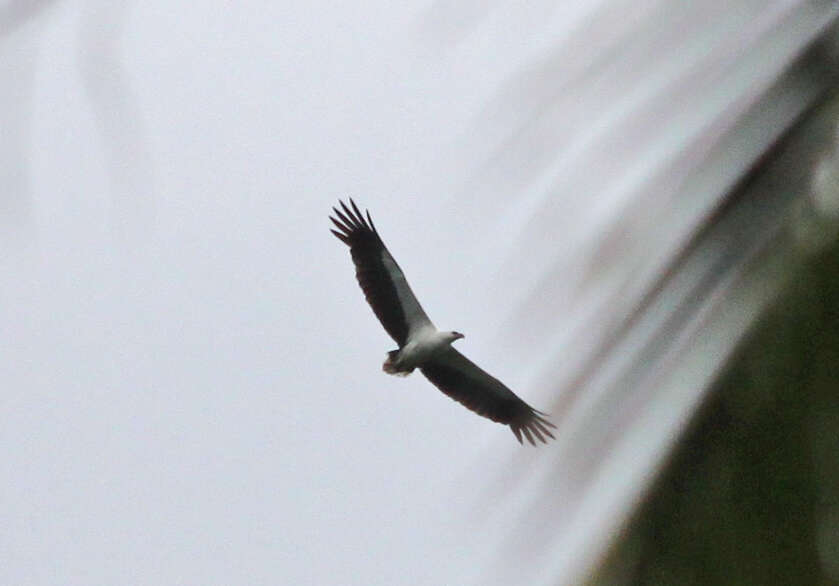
(421, 345)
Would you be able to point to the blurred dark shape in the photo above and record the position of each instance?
(450, 21)
(118, 115)
(17, 73)
(16, 13)
(114, 106)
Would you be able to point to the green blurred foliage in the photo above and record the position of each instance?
(751, 493)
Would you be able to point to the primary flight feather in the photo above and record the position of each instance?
(421, 345)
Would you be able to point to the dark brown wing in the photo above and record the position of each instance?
(384, 285)
(468, 384)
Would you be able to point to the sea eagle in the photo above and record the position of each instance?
(421, 345)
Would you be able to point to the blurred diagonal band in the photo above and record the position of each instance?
(770, 192)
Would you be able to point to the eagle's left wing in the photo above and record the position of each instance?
(468, 384)
(383, 282)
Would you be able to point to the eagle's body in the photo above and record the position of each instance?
(421, 344)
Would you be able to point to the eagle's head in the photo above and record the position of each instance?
(454, 336)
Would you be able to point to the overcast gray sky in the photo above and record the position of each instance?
(193, 391)
(200, 399)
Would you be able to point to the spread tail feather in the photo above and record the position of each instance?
(391, 365)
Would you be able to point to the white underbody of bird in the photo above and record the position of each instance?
(420, 348)
(421, 344)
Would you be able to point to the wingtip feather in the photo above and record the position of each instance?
(342, 230)
(351, 219)
(340, 236)
(358, 213)
(543, 424)
(370, 221)
(534, 427)
(342, 218)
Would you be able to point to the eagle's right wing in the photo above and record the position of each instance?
(468, 384)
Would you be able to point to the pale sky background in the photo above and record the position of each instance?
(204, 403)
(193, 386)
